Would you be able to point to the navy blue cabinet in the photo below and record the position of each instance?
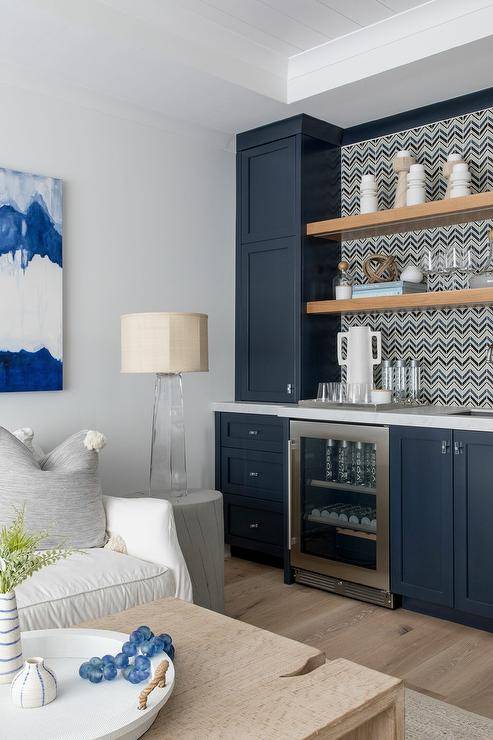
(268, 321)
(441, 485)
(473, 522)
(269, 206)
(288, 173)
(421, 500)
(251, 472)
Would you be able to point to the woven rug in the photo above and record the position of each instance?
(430, 719)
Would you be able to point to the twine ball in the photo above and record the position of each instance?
(380, 268)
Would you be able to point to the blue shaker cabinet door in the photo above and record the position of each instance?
(473, 521)
(268, 318)
(268, 187)
(421, 485)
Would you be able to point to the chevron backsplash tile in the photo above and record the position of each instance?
(451, 344)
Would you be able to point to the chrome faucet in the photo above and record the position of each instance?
(489, 354)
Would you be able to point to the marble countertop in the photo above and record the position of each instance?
(438, 417)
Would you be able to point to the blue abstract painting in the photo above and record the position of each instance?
(31, 330)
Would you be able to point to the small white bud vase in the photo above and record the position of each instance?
(460, 179)
(10, 638)
(35, 685)
(368, 194)
(416, 192)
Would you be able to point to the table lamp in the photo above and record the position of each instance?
(167, 344)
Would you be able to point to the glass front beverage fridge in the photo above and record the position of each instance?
(339, 509)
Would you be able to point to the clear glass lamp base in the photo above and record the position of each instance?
(168, 474)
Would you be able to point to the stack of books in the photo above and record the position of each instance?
(397, 287)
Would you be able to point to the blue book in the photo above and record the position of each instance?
(397, 287)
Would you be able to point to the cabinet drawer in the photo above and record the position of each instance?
(255, 474)
(250, 524)
(250, 431)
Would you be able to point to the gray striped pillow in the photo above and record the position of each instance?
(61, 493)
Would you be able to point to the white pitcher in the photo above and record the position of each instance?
(359, 359)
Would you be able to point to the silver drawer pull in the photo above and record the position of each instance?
(254, 525)
(253, 474)
(253, 432)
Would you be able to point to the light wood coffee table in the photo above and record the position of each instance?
(237, 681)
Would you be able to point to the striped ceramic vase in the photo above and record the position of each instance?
(34, 686)
(10, 638)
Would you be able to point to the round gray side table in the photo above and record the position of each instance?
(200, 529)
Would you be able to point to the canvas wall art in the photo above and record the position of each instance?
(30, 282)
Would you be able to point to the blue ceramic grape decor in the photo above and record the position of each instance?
(121, 660)
(129, 648)
(110, 671)
(133, 661)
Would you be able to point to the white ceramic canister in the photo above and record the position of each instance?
(460, 180)
(416, 192)
(34, 686)
(10, 638)
(368, 194)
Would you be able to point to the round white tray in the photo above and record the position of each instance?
(82, 710)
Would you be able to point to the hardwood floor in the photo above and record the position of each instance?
(445, 660)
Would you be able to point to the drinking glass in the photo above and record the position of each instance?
(432, 262)
(323, 392)
(336, 392)
(358, 393)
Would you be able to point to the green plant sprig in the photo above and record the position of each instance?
(19, 553)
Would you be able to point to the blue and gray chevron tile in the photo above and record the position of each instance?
(451, 344)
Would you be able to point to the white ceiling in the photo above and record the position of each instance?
(228, 65)
(287, 27)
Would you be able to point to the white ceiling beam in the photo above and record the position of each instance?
(121, 23)
(397, 41)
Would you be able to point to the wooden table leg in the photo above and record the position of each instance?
(388, 725)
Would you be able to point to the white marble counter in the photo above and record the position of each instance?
(438, 417)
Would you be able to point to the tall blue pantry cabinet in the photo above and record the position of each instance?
(288, 173)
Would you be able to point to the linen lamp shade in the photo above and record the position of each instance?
(164, 343)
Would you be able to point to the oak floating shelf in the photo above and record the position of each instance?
(411, 218)
(439, 299)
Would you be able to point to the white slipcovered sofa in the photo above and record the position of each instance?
(98, 581)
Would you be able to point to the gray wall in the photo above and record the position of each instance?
(148, 225)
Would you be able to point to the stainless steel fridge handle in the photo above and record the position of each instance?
(290, 464)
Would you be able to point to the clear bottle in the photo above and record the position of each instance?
(387, 375)
(343, 282)
(399, 381)
(344, 462)
(358, 467)
(370, 465)
(414, 381)
(331, 460)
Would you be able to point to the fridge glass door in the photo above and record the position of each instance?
(340, 501)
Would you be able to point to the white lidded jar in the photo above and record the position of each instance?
(460, 180)
(34, 686)
(368, 194)
(416, 192)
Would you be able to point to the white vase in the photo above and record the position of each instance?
(10, 638)
(368, 194)
(416, 193)
(460, 180)
(34, 686)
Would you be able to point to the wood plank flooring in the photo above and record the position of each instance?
(445, 660)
